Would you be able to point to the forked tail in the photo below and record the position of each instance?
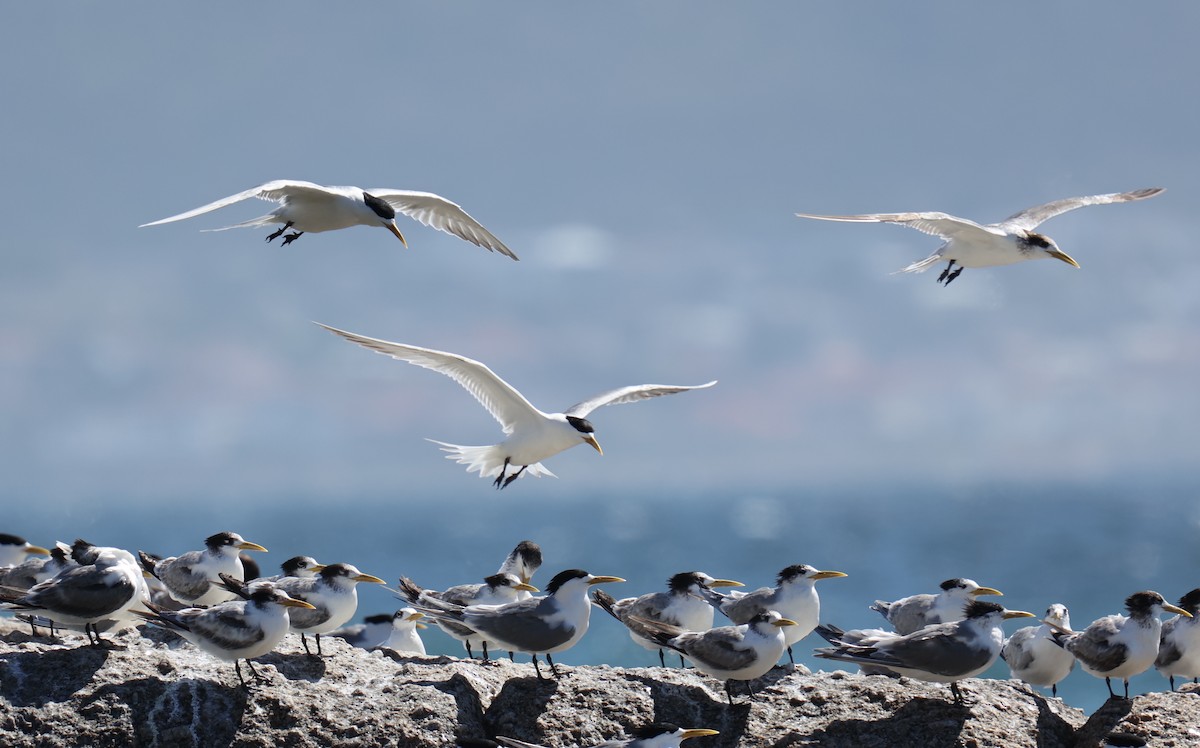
(487, 461)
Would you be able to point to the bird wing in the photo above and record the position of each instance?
(1168, 650)
(227, 627)
(935, 649)
(437, 212)
(84, 591)
(1030, 218)
(276, 191)
(742, 608)
(522, 625)
(1094, 648)
(630, 394)
(911, 613)
(461, 594)
(722, 648)
(1018, 650)
(506, 405)
(937, 224)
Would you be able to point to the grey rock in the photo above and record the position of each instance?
(155, 691)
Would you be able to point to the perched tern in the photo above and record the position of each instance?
(728, 653)
(972, 245)
(940, 653)
(189, 577)
(372, 632)
(915, 612)
(1179, 644)
(237, 629)
(88, 594)
(532, 435)
(540, 625)
(333, 595)
(681, 605)
(654, 735)
(794, 597)
(35, 569)
(1032, 655)
(1117, 646)
(14, 549)
(307, 207)
(497, 589)
(404, 636)
(302, 567)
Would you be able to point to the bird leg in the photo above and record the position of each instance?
(682, 664)
(304, 641)
(499, 482)
(1108, 683)
(958, 698)
(1172, 679)
(537, 669)
(662, 660)
(552, 668)
(278, 233)
(512, 656)
(485, 652)
(946, 272)
(467, 644)
(251, 665)
(514, 476)
(318, 644)
(237, 666)
(791, 659)
(1124, 679)
(728, 692)
(954, 275)
(296, 235)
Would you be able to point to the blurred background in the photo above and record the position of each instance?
(1033, 427)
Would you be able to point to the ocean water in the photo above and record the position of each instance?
(1085, 546)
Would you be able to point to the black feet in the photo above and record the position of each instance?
(948, 276)
(279, 233)
(501, 481)
(293, 237)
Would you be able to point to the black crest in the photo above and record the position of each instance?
(980, 608)
(562, 578)
(222, 538)
(530, 551)
(793, 571)
(1191, 601)
(382, 208)
(683, 581)
(950, 584)
(1140, 603)
(6, 539)
(294, 564)
(582, 425)
(499, 580)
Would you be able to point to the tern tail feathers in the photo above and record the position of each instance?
(487, 461)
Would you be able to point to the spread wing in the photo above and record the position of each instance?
(437, 212)
(630, 394)
(506, 405)
(1030, 218)
(277, 191)
(946, 226)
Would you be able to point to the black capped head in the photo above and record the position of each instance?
(222, 540)
(654, 729)
(529, 552)
(684, 581)
(7, 539)
(83, 552)
(382, 208)
(298, 564)
(1191, 601)
(582, 425)
(792, 572)
(563, 577)
(342, 573)
(263, 592)
(981, 608)
(1142, 603)
(956, 583)
(501, 580)
(1040, 241)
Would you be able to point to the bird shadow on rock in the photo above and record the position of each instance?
(296, 666)
(1102, 722)
(1052, 729)
(515, 710)
(930, 723)
(37, 678)
(471, 719)
(182, 712)
(696, 706)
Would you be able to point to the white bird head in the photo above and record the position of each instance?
(1040, 245)
(386, 213)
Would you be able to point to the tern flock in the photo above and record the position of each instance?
(206, 598)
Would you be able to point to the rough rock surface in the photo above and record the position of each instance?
(154, 691)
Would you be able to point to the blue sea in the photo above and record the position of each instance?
(1088, 546)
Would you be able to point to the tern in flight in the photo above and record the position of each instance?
(532, 435)
(973, 245)
(306, 207)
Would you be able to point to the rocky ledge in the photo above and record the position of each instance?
(158, 692)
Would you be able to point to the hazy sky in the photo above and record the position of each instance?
(645, 161)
